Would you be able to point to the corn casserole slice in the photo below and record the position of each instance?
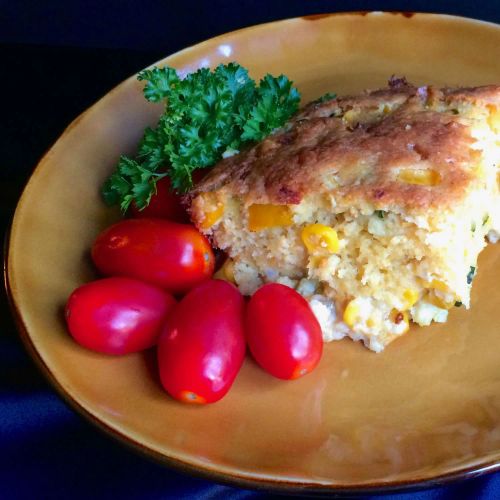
(374, 207)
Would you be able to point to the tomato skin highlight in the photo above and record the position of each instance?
(173, 256)
(164, 204)
(202, 346)
(282, 332)
(117, 315)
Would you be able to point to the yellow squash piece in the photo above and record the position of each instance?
(214, 210)
(264, 216)
(437, 285)
(494, 118)
(438, 301)
(226, 272)
(420, 177)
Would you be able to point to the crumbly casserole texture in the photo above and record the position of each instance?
(374, 207)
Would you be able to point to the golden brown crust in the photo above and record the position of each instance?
(354, 147)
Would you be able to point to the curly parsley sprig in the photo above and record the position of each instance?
(208, 115)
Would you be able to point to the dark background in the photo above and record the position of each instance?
(56, 59)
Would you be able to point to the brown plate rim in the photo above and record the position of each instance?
(272, 485)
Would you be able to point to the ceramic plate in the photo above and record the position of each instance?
(426, 410)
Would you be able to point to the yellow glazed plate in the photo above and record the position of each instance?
(426, 410)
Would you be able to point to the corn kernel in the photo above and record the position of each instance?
(398, 317)
(370, 323)
(226, 272)
(420, 177)
(351, 313)
(266, 215)
(493, 118)
(214, 210)
(410, 296)
(320, 238)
